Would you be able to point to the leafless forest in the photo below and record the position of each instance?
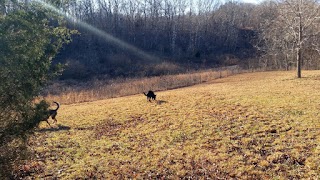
(188, 35)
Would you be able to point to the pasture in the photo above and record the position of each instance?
(263, 125)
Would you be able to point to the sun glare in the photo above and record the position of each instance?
(107, 37)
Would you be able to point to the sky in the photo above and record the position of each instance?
(250, 1)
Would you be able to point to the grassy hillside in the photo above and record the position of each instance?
(257, 125)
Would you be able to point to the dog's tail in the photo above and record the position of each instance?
(145, 94)
(58, 105)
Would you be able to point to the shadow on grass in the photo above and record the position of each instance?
(53, 129)
(84, 128)
(159, 102)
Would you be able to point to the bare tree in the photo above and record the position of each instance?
(294, 29)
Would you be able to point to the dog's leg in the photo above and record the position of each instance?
(54, 117)
(48, 122)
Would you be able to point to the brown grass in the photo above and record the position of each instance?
(248, 126)
(124, 87)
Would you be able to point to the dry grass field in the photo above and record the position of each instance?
(111, 88)
(262, 125)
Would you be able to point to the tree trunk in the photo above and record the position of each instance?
(299, 57)
(299, 50)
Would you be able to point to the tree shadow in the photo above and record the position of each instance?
(54, 129)
(159, 102)
(84, 128)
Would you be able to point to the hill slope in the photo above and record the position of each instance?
(256, 125)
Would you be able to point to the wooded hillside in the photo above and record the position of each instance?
(189, 35)
(186, 35)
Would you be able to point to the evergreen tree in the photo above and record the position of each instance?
(30, 38)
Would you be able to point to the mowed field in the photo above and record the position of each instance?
(262, 125)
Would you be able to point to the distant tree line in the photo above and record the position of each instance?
(183, 34)
(188, 35)
(192, 34)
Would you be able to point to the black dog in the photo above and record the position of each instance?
(150, 95)
(52, 113)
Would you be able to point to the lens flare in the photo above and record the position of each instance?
(107, 37)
